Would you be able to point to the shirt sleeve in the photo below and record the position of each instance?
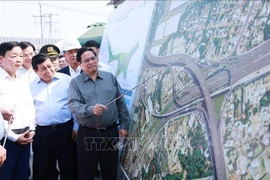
(2, 129)
(31, 107)
(75, 123)
(12, 136)
(76, 104)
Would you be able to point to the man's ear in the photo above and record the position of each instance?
(1, 59)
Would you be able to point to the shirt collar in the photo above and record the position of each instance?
(77, 70)
(56, 77)
(85, 77)
(5, 75)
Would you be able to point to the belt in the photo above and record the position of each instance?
(102, 129)
(20, 131)
(55, 126)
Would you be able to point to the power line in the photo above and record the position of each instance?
(60, 7)
(41, 18)
(76, 10)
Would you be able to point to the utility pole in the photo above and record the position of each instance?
(40, 16)
(50, 22)
(42, 20)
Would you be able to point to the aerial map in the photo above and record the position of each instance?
(202, 110)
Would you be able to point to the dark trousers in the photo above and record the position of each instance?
(16, 167)
(94, 147)
(51, 144)
(75, 160)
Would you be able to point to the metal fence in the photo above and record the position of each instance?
(37, 42)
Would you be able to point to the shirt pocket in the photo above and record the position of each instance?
(90, 98)
(109, 94)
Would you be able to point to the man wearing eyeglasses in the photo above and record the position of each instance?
(94, 98)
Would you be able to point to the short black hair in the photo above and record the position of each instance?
(60, 56)
(92, 43)
(81, 51)
(38, 59)
(26, 44)
(7, 46)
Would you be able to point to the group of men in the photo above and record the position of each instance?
(72, 116)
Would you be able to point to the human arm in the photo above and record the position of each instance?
(76, 103)
(3, 155)
(26, 137)
(7, 114)
(75, 128)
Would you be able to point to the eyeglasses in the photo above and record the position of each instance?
(93, 58)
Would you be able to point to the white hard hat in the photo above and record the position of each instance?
(71, 43)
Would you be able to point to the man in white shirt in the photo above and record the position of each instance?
(28, 50)
(15, 95)
(7, 113)
(70, 49)
(55, 128)
(3, 152)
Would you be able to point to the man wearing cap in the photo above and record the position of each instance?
(70, 49)
(52, 52)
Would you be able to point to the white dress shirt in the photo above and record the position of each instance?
(2, 129)
(51, 100)
(73, 73)
(15, 95)
(29, 74)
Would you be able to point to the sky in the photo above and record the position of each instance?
(61, 19)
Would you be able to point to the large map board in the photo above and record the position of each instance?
(206, 115)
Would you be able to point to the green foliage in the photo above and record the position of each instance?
(229, 152)
(266, 32)
(265, 100)
(218, 101)
(255, 110)
(217, 43)
(173, 176)
(145, 175)
(195, 165)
